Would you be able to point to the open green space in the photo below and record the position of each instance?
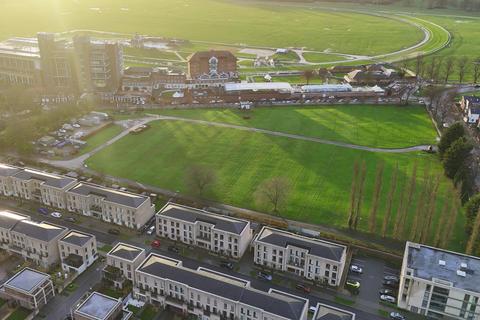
(150, 54)
(241, 23)
(320, 175)
(382, 126)
(100, 137)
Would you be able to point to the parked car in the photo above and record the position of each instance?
(264, 276)
(114, 231)
(352, 284)
(302, 287)
(70, 219)
(312, 309)
(155, 244)
(43, 211)
(388, 292)
(76, 125)
(396, 316)
(151, 230)
(391, 278)
(56, 214)
(356, 269)
(390, 283)
(388, 298)
(173, 249)
(226, 264)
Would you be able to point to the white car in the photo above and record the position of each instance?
(76, 125)
(388, 298)
(312, 309)
(151, 230)
(56, 214)
(356, 269)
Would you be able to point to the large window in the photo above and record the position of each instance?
(439, 298)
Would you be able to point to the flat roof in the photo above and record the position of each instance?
(316, 247)
(98, 306)
(43, 231)
(8, 219)
(27, 280)
(7, 170)
(258, 86)
(274, 302)
(430, 263)
(109, 194)
(193, 215)
(126, 251)
(326, 312)
(77, 238)
(326, 87)
(49, 179)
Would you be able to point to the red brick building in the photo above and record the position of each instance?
(213, 64)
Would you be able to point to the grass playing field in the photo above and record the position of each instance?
(213, 20)
(320, 174)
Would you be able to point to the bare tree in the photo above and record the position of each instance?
(462, 68)
(448, 230)
(471, 244)
(449, 65)
(438, 67)
(273, 192)
(419, 212)
(199, 179)
(372, 223)
(359, 200)
(476, 71)
(430, 210)
(308, 75)
(353, 194)
(390, 197)
(432, 68)
(419, 66)
(406, 202)
(441, 221)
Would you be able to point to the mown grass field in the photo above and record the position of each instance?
(100, 137)
(382, 126)
(320, 175)
(213, 20)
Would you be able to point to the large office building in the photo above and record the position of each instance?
(20, 62)
(29, 288)
(439, 283)
(110, 205)
(209, 294)
(224, 235)
(314, 259)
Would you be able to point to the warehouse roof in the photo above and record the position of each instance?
(317, 247)
(193, 215)
(258, 86)
(128, 199)
(274, 302)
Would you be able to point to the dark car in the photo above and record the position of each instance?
(391, 278)
(388, 292)
(114, 231)
(302, 287)
(43, 211)
(390, 283)
(396, 316)
(173, 249)
(264, 276)
(226, 264)
(70, 219)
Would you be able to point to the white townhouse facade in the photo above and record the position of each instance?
(221, 234)
(8, 219)
(110, 205)
(439, 283)
(37, 242)
(314, 259)
(78, 251)
(6, 184)
(211, 295)
(47, 188)
(29, 288)
(122, 261)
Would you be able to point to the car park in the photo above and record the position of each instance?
(388, 292)
(388, 298)
(391, 278)
(155, 243)
(173, 249)
(56, 214)
(264, 276)
(352, 284)
(304, 288)
(396, 316)
(226, 264)
(390, 283)
(356, 269)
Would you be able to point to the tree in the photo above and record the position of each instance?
(419, 66)
(405, 203)
(462, 68)
(432, 67)
(454, 132)
(449, 66)
(390, 198)
(442, 220)
(419, 212)
(308, 75)
(476, 71)
(273, 192)
(372, 223)
(434, 94)
(359, 198)
(445, 239)
(455, 157)
(471, 210)
(471, 244)
(353, 194)
(425, 230)
(199, 179)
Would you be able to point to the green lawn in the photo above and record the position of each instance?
(19, 314)
(370, 125)
(320, 175)
(101, 137)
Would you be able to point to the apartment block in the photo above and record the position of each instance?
(8, 220)
(110, 205)
(97, 306)
(314, 259)
(122, 261)
(439, 284)
(6, 184)
(208, 294)
(31, 289)
(20, 62)
(47, 188)
(37, 241)
(221, 234)
(78, 251)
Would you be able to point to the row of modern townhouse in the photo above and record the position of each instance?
(65, 193)
(46, 244)
(312, 258)
(205, 293)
